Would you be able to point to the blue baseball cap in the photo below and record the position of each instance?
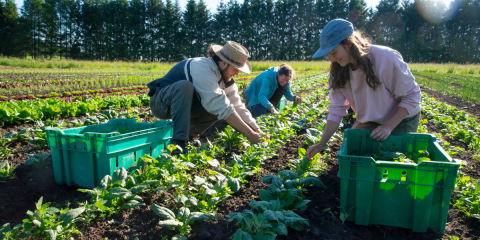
(334, 32)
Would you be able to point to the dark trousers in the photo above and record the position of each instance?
(180, 102)
(259, 110)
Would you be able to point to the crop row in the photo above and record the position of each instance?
(25, 90)
(457, 125)
(18, 112)
(462, 86)
(67, 95)
(30, 90)
(198, 196)
(37, 135)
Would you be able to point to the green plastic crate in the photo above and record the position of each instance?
(83, 156)
(408, 195)
(282, 103)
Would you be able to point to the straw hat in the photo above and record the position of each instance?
(234, 54)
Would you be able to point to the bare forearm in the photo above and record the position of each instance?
(330, 128)
(236, 122)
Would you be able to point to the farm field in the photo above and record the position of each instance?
(198, 195)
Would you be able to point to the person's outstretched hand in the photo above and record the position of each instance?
(313, 150)
(273, 111)
(298, 99)
(261, 132)
(254, 138)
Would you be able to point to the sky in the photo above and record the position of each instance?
(212, 4)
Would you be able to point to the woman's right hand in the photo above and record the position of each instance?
(313, 150)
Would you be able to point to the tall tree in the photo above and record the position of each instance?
(136, 29)
(8, 28)
(174, 33)
(357, 13)
(155, 28)
(50, 27)
(32, 29)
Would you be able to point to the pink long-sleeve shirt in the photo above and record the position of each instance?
(398, 89)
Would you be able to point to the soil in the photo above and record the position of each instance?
(19, 195)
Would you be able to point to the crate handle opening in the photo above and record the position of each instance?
(404, 176)
(135, 156)
(385, 174)
(117, 161)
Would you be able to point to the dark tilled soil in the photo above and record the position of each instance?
(19, 195)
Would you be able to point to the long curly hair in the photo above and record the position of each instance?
(360, 49)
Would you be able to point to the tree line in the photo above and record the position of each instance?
(157, 30)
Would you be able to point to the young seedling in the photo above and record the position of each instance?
(181, 222)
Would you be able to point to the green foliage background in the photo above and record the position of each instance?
(279, 30)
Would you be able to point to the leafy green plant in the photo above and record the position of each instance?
(235, 176)
(210, 194)
(112, 196)
(7, 171)
(39, 158)
(387, 154)
(287, 189)
(231, 137)
(467, 195)
(5, 152)
(52, 223)
(266, 220)
(304, 167)
(181, 222)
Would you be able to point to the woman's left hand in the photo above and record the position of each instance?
(298, 99)
(381, 133)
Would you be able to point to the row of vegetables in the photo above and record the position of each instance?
(458, 125)
(30, 90)
(18, 112)
(37, 134)
(200, 183)
(70, 96)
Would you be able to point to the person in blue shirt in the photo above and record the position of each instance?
(267, 89)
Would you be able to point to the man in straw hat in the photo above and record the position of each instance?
(197, 92)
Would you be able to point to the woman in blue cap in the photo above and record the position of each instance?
(373, 80)
(267, 89)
